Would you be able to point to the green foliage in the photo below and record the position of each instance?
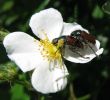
(3, 33)
(18, 93)
(91, 81)
(7, 71)
(42, 5)
(7, 6)
(97, 12)
(86, 97)
(106, 7)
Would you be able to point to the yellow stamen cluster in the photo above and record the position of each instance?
(49, 50)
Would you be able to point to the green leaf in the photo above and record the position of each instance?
(11, 19)
(43, 5)
(18, 93)
(86, 97)
(3, 33)
(106, 7)
(97, 12)
(7, 5)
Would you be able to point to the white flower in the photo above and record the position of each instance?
(50, 73)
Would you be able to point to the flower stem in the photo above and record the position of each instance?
(72, 94)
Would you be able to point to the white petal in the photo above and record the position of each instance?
(23, 50)
(100, 51)
(71, 27)
(46, 80)
(97, 44)
(74, 57)
(47, 21)
(86, 54)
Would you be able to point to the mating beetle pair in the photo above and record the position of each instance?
(77, 39)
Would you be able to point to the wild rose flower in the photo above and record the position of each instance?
(45, 59)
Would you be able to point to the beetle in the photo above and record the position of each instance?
(83, 36)
(68, 40)
(77, 39)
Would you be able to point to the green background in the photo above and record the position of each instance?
(90, 81)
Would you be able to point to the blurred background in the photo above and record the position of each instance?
(89, 81)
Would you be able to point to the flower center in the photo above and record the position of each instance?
(50, 51)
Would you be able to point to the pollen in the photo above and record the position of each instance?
(49, 50)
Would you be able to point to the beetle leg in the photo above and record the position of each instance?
(78, 53)
(91, 48)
